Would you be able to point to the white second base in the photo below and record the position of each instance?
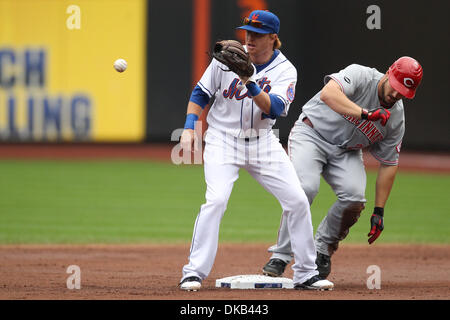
(254, 281)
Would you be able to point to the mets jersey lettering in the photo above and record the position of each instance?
(233, 114)
(234, 92)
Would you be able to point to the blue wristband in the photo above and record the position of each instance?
(191, 118)
(253, 88)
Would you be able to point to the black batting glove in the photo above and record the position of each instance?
(376, 224)
(376, 114)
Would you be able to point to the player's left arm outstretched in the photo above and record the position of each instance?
(385, 180)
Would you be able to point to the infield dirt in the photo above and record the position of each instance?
(152, 272)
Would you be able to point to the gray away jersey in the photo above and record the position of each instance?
(359, 84)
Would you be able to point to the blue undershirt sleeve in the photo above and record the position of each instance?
(276, 106)
(199, 97)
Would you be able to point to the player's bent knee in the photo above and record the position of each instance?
(353, 193)
(354, 208)
(296, 202)
(311, 193)
(350, 216)
(219, 203)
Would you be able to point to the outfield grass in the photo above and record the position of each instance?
(138, 201)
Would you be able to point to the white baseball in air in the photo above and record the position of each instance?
(120, 65)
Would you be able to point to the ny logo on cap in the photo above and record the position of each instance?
(255, 16)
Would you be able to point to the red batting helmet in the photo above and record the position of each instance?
(405, 75)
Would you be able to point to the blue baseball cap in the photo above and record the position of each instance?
(261, 21)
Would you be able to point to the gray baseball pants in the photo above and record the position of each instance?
(342, 169)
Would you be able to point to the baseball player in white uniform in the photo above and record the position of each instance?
(239, 136)
(358, 107)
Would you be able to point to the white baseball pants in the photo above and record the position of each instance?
(268, 163)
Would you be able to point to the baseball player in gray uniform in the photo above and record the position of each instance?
(358, 107)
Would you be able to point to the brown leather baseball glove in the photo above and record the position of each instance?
(232, 54)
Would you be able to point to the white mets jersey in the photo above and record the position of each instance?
(233, 111)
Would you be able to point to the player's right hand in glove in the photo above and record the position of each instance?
(376, 114)
(376, 224)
